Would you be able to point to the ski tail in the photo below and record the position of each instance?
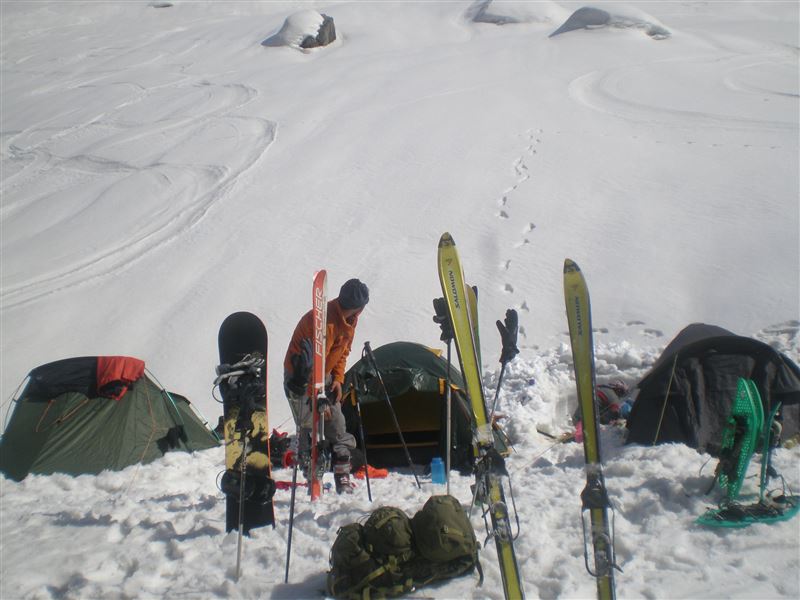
(472, 303)
(576, 297)
(594, 497)
(317, 388)
(490, 470)
(451, 277)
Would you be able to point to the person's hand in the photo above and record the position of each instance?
(336, 391)
(442, 319)
(301, 368)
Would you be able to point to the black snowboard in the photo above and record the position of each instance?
(243, 386)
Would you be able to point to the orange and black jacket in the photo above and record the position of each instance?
(339, 340)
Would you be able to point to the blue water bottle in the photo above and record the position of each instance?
(437, 470)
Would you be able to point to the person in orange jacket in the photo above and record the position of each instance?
(342, 318)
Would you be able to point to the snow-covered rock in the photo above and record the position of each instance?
(304, 29)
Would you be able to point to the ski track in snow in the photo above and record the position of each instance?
(610, 92)
(194, 159)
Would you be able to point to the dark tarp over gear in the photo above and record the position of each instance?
(693, 385)
(74, 417)
(415, 379)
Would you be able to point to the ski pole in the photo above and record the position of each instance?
(291, 511)
(241, 507)
(666, 398)
(442, 318)
(497, 391)
(449, 400)
(508, 336)
(357, 404)
(371, 358)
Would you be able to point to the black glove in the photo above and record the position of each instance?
(442, 319)
(301, 369)
(508, 334)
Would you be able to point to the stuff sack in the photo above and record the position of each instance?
(356, 574)
(390, 554)
(445, 541)
(387, 534)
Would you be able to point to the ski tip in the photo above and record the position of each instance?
(446, 240)
(571, 266)
(320, 273)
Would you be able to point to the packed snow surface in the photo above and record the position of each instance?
(161, 168)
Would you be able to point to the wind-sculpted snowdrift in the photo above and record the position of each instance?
(504, 12)
(590, 17)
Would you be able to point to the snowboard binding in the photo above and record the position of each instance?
(242, 377)
(243, 384)
(256, 489)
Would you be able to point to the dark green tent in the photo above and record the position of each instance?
(415, 378)
(688, 394)
(88, 414)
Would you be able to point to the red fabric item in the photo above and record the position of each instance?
(120, 370)
(579, 432)
(374, 473)
(287, 485)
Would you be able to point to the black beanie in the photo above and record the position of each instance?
(353, 294)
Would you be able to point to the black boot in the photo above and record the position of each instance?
(304, 452)
(341, 475)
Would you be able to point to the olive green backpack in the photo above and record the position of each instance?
(390, 554)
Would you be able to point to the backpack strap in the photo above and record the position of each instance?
(480, 569)
(428, 572)
(365, 585)
(365, 590)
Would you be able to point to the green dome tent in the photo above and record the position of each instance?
(415, 377)
(88, 414)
